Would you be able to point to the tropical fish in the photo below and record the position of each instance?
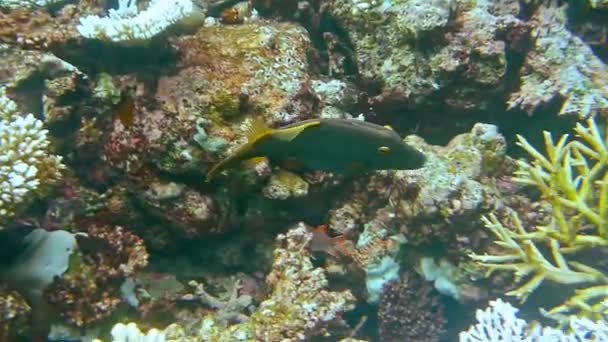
(336, 145)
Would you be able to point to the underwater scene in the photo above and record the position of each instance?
(303, 170)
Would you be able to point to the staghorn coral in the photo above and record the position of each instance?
(410, 310)
(498, 322)
(27, 166)
(561, 65)
(90, 289)
(299, 305)
(573, 179)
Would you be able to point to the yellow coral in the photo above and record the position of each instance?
(573, 178)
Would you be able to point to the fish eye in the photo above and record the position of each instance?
(384, 149)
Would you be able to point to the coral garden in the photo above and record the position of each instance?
(112, 113)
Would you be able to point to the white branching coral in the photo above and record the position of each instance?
(126, 23)
(27, 167)
(499, 323)
(131, 333)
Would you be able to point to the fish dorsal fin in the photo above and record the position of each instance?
(257, 129)
(289, 133)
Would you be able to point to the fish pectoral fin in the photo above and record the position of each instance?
(290, 133)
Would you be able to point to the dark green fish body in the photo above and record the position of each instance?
(336, 145)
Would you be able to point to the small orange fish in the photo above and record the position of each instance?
(322, 242)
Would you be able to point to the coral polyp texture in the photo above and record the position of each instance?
(27, 166)
(572, 177)
(127, 23)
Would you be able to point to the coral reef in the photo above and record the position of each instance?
(14, 314)
(26, 3)
(299, 304)
(127, 24)
(410, 311)
(90, 288)
(571, 177)
(560, 65)
(37, 28)
(499, 322)
(389, 39)
(132, 102)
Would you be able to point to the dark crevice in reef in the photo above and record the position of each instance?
(95, 56)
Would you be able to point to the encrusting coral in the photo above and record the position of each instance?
(298, 307)
(410, 310)
(573, 178)
(90, 289)
(299, 304)
(14, 314)
(560, 64)
(27, 166)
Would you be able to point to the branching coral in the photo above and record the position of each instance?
(573, 179)
(126, 23)
(499, 323)
(27, 167)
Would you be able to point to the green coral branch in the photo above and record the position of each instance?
(572, 176)
(524, 259)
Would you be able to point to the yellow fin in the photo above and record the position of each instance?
(388, 127)
(255, 161)
(257, 129)
(289, 133)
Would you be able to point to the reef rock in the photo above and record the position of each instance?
(416, 49)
